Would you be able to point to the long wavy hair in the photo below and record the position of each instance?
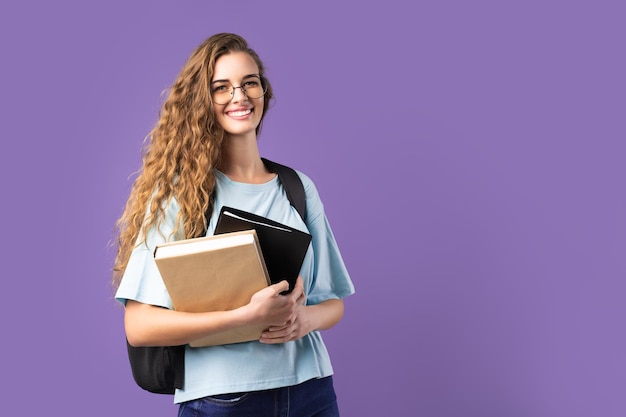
(181, 152)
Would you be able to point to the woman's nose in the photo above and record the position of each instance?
(239, 94)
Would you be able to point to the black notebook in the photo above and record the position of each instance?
(283, 247)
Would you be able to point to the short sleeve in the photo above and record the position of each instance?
(141, 280)
(330, 278)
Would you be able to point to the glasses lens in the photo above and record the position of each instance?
(221, 92)
(254, 88)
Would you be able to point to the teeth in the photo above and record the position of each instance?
(240, 113)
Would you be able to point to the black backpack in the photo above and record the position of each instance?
(161, 369)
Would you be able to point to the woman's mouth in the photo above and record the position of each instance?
(239, 113)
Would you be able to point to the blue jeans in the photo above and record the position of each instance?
(313, 398)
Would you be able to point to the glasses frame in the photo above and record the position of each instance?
(243, 90)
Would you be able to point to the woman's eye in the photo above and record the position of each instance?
(251, 84)
(219, 88)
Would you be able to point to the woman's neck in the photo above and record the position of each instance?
(241, 161)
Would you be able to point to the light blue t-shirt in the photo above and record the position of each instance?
(250, 366)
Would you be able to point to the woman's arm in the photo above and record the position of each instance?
(148, 325)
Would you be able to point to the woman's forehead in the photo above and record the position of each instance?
(234, 66)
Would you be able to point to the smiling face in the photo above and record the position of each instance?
(242, 115)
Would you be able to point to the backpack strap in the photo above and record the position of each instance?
(292, 184)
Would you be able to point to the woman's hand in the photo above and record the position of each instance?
(293, 329)
(270, 308)
(307, 319)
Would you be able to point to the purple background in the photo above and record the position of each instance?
(470, 155)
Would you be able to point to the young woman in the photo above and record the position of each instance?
(203, 153)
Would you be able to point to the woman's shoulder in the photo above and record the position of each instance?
(310, 188)
(306, 180)
(314, 205)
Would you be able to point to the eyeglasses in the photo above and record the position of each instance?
(222, 92)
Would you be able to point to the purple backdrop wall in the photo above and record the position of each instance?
(470, 155)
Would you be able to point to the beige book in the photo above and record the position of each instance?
(214, 273)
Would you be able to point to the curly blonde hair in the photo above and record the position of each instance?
(181, 152)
